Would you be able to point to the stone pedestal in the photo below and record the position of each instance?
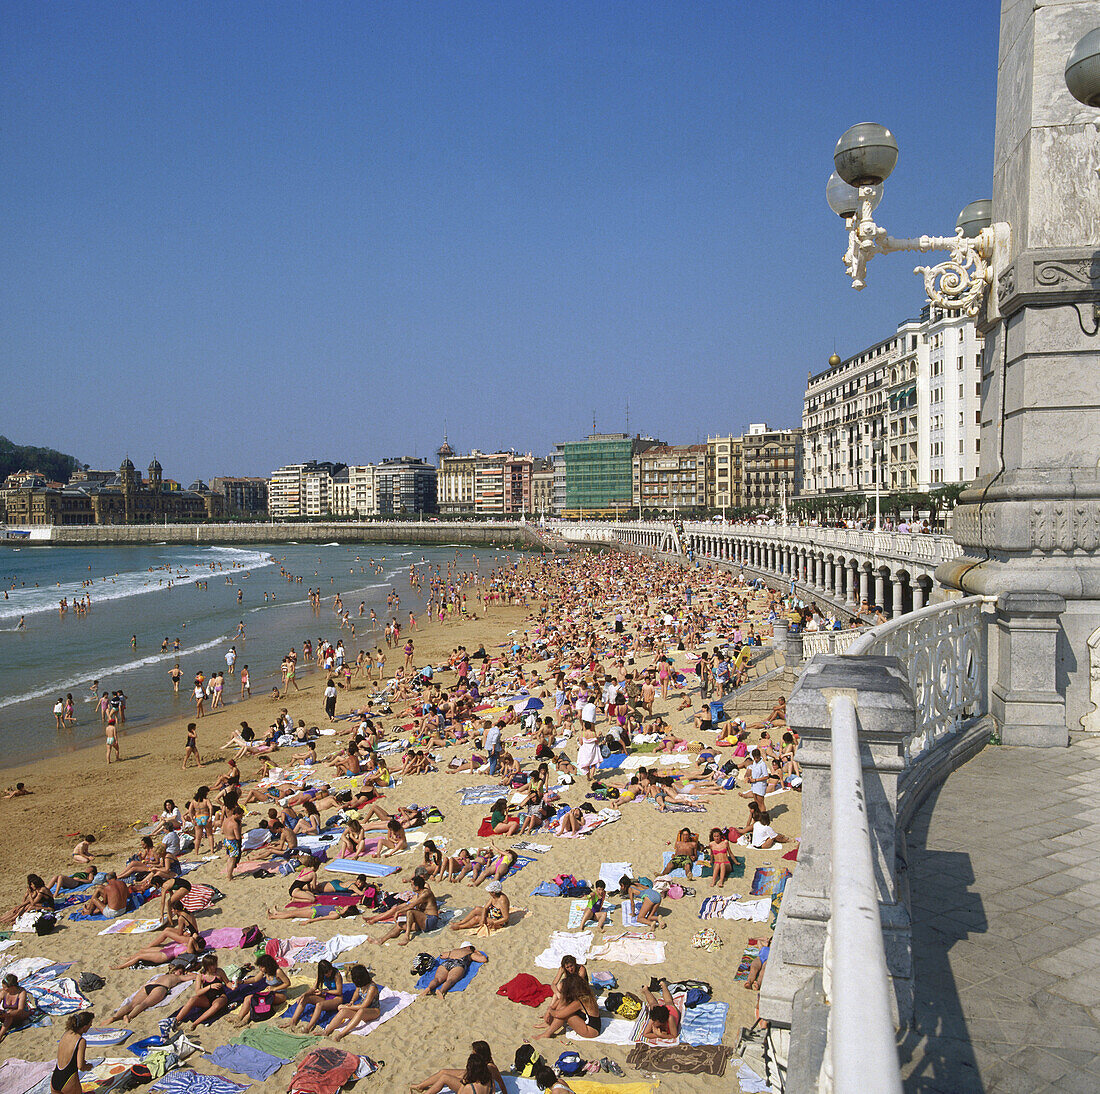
(1031, 522)
(886, 712)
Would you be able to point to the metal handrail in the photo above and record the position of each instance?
(861, 1049)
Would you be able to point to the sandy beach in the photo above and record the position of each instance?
(78, 793)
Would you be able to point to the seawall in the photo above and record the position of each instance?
(511, 534)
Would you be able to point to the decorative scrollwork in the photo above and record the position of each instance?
(960, 281)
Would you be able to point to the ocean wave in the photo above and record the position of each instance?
(110, 672)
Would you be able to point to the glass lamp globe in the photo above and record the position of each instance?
(866, 154)
(1083, 69)
(844, 199)
(976, 216)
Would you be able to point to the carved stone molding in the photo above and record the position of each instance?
(1076, 273)
(1069, 276)
(1065, 525)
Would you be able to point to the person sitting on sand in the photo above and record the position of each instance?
(152, 994)
(109, 899)
(493, 916)
(454, 1077)
(82, 851)
(210, 997)
(420, 911)
(571, 822)
(14, 1008)
(266, 990)
(456, 867)
(576, 1009)
(756, 967)
(685, 851)
(594, 909)
(452, 967)
(326, 996)
(36, 898)
(570, 966)
(362, 1007)
(230, 778)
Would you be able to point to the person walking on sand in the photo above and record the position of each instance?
(110, 731)
(192, 746)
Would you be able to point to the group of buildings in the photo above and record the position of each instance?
(901, 417)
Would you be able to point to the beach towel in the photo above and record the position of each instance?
(613, 1031)
(133, 902)
(750, 1082)
(185, 1081)
(682, 1059)
(696, 870)
(200, 896)
(462, 985)
(526, 989)
(245, 1060)
(598, 1086)
(285, 950)
(684, 807)
(752, 951)
(323, 1071)
(389, 1003)
(562, 943)
(105, 1035)
(359, 866)
(274, 1041)
(754, 911)
(576, 914)
(538, 848)
(330, 900)
(704, 1024)
(481, 795)
(769, 880)
(54, 994)
(21, 1076)
(610, 872)
(132, 926)
(630, 949)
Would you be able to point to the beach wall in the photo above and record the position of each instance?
(512, 534)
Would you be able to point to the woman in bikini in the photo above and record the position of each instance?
(211, 994)
(577, 1009)
(493, 916)
(37, 897)
(71, 1051)
(452, 967)
(453, 1077)
(201, 813)
(456, 867)
(363, 1006)
(14, 1009)
(326, 996)
(162, 949)
(719, 857)
(497, 869)
(266, 990)
(152, 994)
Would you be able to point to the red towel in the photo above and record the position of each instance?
(524, 988)
(486, 828)
(792, 855)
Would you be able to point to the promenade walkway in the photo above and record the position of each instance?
(1004, 871)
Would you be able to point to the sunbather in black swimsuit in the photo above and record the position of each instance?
(61, 1075)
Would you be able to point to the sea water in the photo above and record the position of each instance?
(150, 593)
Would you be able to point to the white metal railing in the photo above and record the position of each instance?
(861, 1050)
(814, 642)
(944, 649)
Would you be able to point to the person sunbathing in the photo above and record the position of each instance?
(211, 995)
(456, 867)
(109, 899)
(326, 996)
(312, 912)
(492, 916)
(420, 911)
(455, 1077)
(71, 881)
(362, 1007)
(151, 994)
(36, 898)
(576, 1008)
(265, 990)
(452, 967)
(664, 1016)
(497, 868)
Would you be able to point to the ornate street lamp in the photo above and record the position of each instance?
(864, 158)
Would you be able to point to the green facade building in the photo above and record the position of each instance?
(599, 474)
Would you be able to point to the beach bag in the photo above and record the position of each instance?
(676, 892)
(624, 1004)
(262, 1005)
(525, 1059)
(696, 996)
(570, 1063)
(252, 936)
(434, 816)
(90, 981)
(425, 962)
(45, 923)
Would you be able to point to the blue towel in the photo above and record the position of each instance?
(426, 979)
(246, 1061)
(704, 1024)
(186, 1081)
(697, 869)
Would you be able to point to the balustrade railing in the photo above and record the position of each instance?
(814, 642)
(943, 648)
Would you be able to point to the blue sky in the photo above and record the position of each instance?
(240, 235)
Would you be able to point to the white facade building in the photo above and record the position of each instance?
(904, 412)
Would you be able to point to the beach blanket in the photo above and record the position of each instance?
(53, 993)
(519, 864)
(315, 950)
(462, 985)
(576, 914)
(630, 949)
(610, 872)
(200, 896)
(245, 1060)
(106, 1035)
(682, 1059)
(481, 795)
(598, 1086)
(538, 848)
(185, 1081)
(329, 900)
(562, 943)
(526, 989)
(359, 866)
(21, 1076)
(274, 1041)
(704, 1024)
(132, 926)
(752, 951)
(697, 869)
(390, 1002)
(769, 880)
(732, 908)
(220, 938)
(613, 1030)
(684, 807)
(133, 902)
(324, 1071)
